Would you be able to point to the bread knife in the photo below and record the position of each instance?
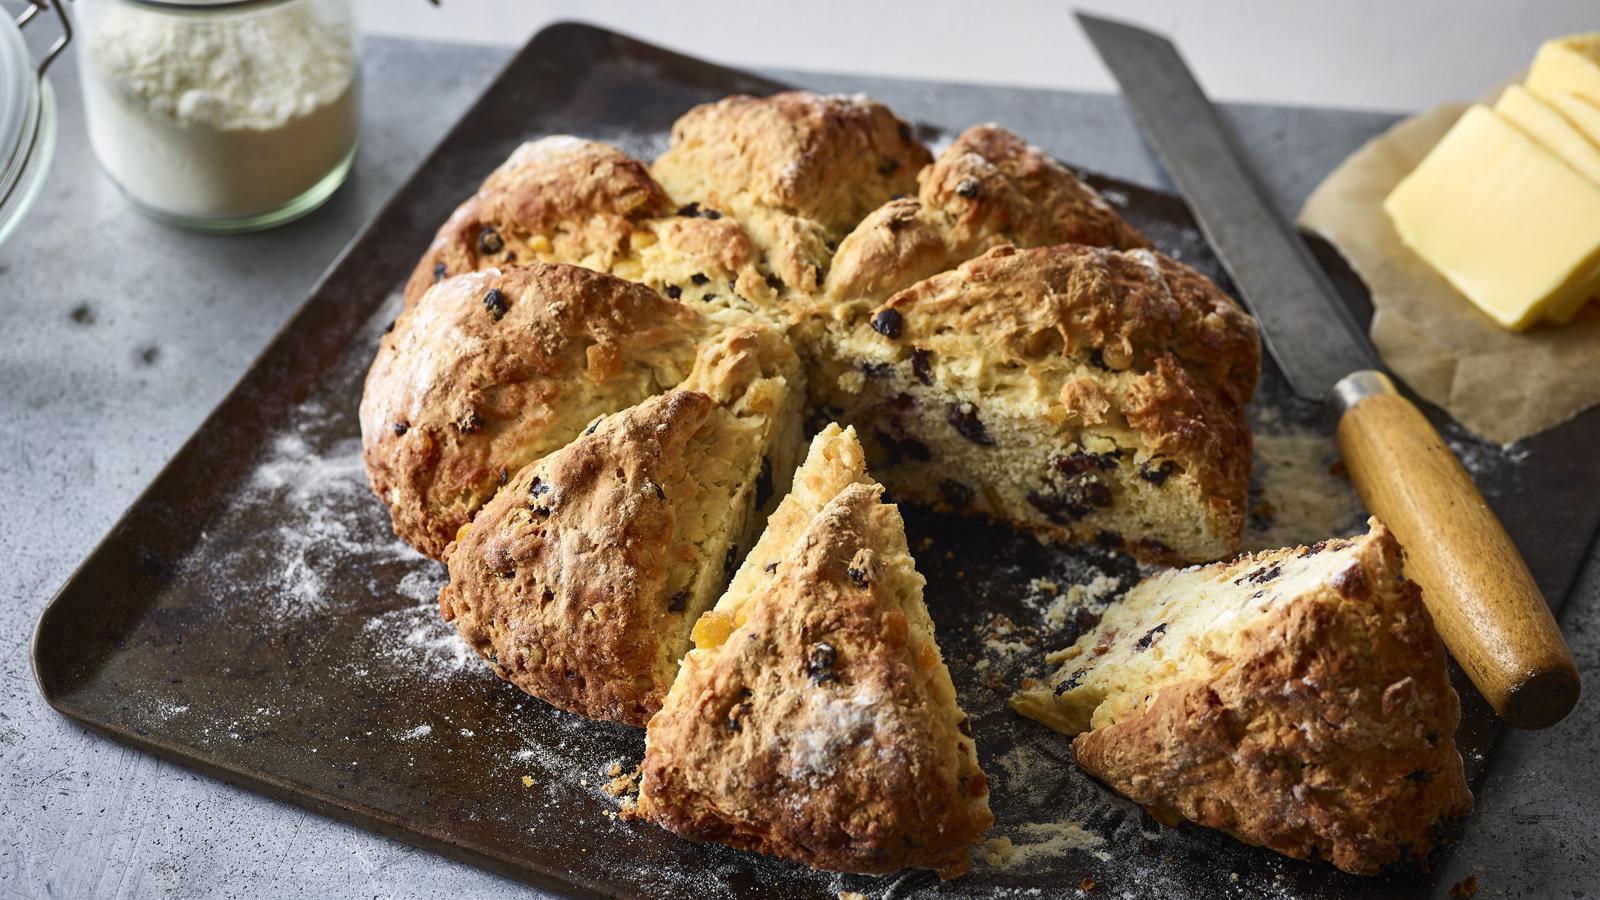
(1474, 582)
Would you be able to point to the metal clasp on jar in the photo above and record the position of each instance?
(30, 12)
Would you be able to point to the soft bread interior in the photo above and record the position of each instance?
(1005, 389)
(1175, 627)
(977, 440)
(1296, 699)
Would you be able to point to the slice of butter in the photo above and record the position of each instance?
(1511, 226)
(1539, 121)
(1584, 115)
(1570, 63)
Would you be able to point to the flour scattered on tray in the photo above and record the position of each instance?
(1035, 842)
(322, 498)
(1483, 460)
(1295, 495)
(421, 731)
(414, 637)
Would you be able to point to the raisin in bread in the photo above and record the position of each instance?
(1076, 392)
(566, 200)
(500, 367)
(815, 719)
(797, 169)
(1296, 699)
(580, 581)
(987, 189)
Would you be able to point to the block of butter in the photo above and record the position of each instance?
(1555, 131)
(1511, 226)
(1570, 63)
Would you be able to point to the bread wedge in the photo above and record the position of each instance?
(815, 719)
(1296, 699)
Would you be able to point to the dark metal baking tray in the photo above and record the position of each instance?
(253, 617)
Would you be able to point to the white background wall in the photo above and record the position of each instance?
(1373, 54)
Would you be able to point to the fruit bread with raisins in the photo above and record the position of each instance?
(815, 719)
(579, 582)
(562, 199)
(1108, 407)
(989, 188)
(495, 369)
(797, 169)
(1082, 393)
(1296, 699)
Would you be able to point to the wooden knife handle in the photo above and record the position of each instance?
(1474, 582)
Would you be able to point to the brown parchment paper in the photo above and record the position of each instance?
(1500, 384)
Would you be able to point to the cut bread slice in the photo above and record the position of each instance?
(1080, 393)
(834, 462)
(815, 719)
(1296, 699)
(580, 581)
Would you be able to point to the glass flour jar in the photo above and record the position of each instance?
(222, 116)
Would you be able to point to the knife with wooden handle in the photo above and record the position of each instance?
(1474, 581)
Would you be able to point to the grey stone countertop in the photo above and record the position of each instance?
(121, 334)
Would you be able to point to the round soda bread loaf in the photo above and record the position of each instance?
(579, 582)
(797, 169)
(563, 199)
(1078, 392)
(495, 369)
(1296, 699)
(626, 356)
(815, 719)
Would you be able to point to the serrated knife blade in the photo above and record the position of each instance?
(1307, 328)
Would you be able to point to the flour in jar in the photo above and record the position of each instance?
(219, 116)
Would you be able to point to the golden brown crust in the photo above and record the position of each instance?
(1132, 308)
(798, 169)
(988, 188)
(458, 399)
(562, 199)
(592, 192)
(813, 733)
(1205, 435)
(1331, 735)
(564, 582)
